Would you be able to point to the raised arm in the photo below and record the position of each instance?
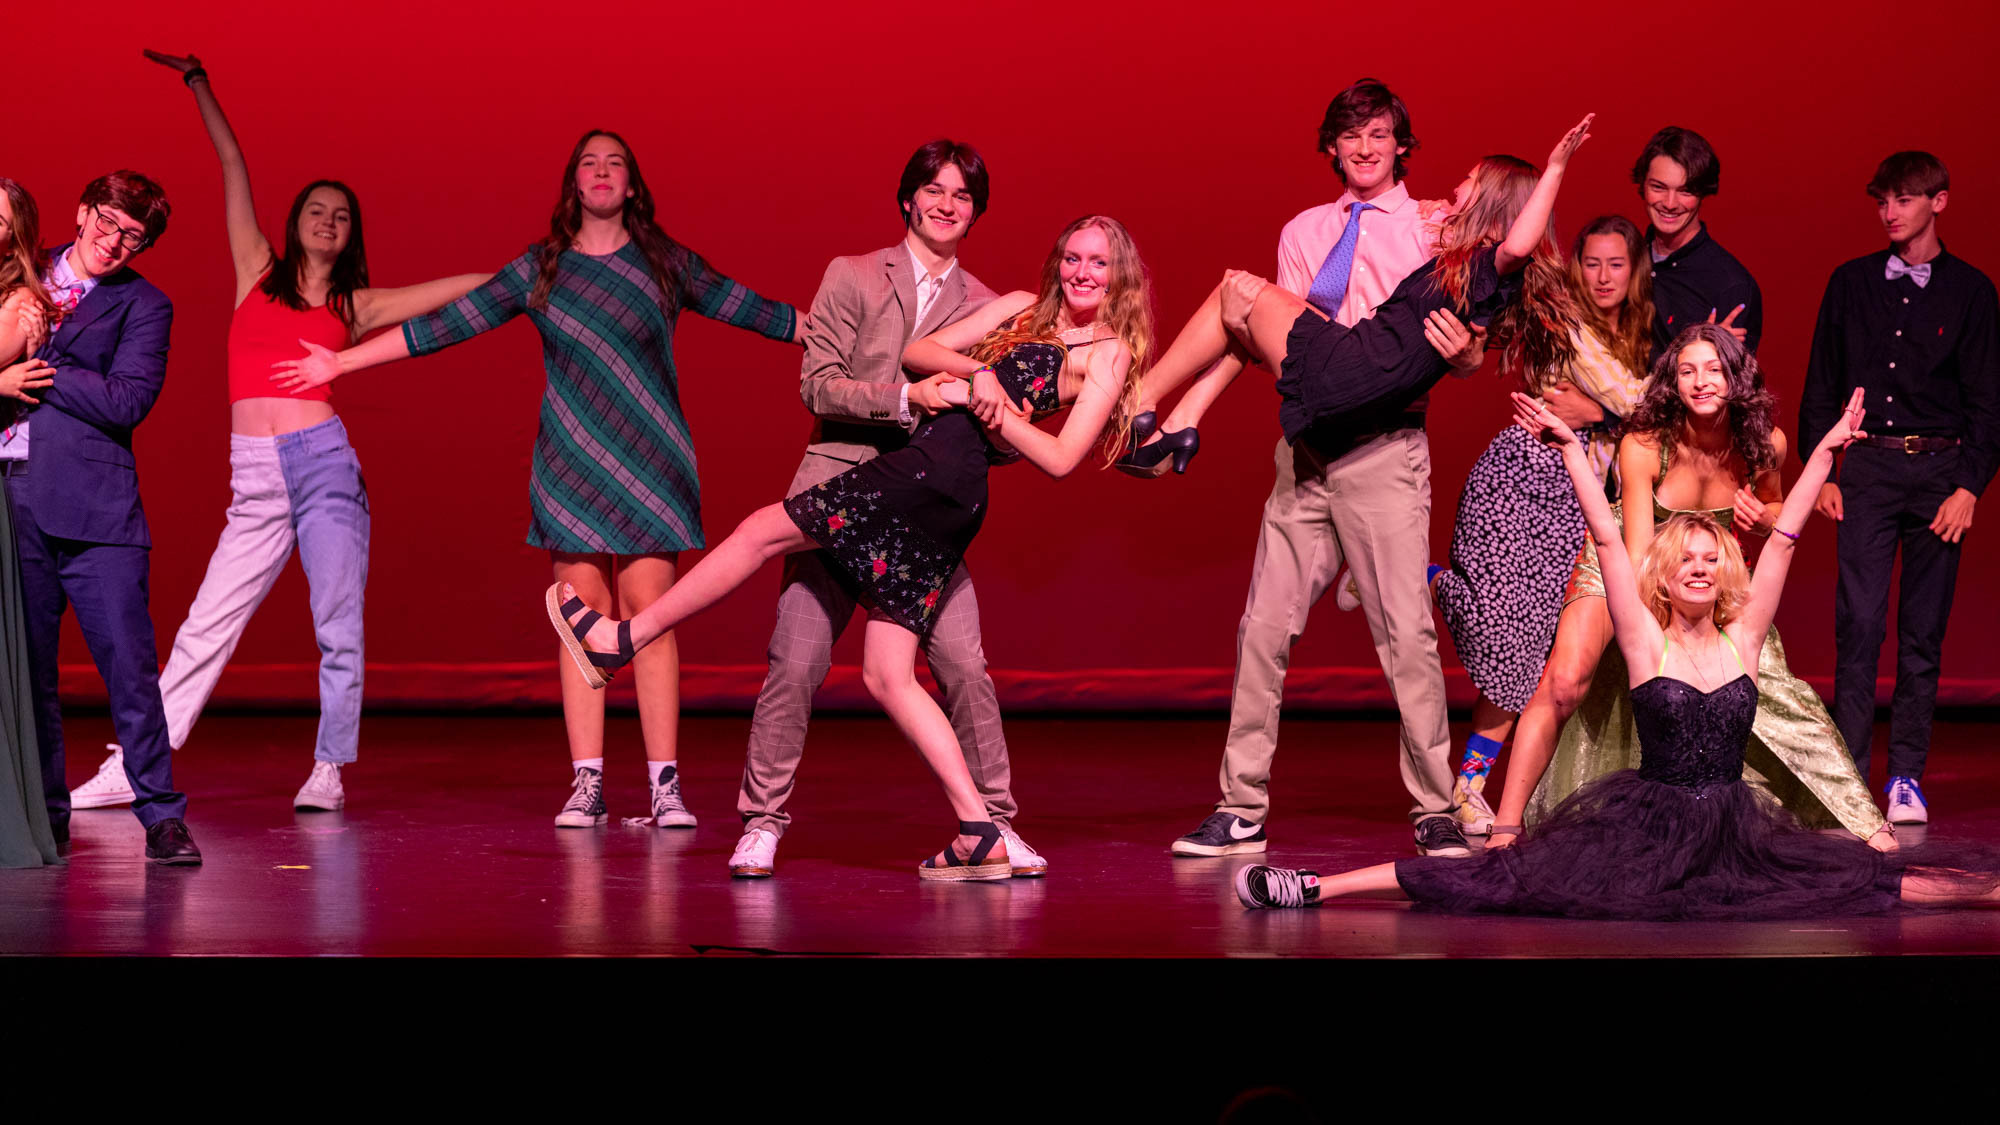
(1639, 636)
(374, 308)
(1060, 453)
(248, 247)
(1532, 224)
(1768, 582)
(943, 351)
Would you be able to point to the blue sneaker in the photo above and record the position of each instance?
(1906, 802)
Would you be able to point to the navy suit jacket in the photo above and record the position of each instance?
(110, 357)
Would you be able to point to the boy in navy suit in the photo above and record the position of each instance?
(79, 526)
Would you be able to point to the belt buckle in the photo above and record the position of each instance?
(1910, 443)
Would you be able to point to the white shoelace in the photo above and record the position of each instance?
(1284, 888)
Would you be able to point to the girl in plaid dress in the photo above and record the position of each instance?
(613, 492)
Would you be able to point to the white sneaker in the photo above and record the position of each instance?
(669, 811)
(1346, 594)
(1475, 816)
(109, 789)
(1028, 864)
(322, 791)
(756, 855)
(1906, 802)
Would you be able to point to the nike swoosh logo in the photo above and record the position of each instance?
(1237, 831)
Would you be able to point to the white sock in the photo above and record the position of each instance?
(587, 764)
(653, 770)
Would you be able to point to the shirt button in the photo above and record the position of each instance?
(1891, 423)
(1906, 300)
(1889, 398)
(1899, 332)
(1892, 365)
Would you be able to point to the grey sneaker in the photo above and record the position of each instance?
(586, 802)
(1440, 835)
(322, 791)
(669, 811)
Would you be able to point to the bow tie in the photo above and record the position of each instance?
(1921, 274)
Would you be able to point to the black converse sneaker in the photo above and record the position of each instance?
(1440, 835)
(1222, 834)
(669, 811)
(1273, 887)
(586, 802)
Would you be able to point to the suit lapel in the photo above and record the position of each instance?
(108, 294)
(902, 278)
(948, 300)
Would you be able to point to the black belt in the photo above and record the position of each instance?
(1912, 443)
(18, 467)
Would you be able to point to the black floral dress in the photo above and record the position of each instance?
(895, 528)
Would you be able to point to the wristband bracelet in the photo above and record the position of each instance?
(190, 76)
(1791, 535)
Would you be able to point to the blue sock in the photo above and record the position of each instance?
(1431, 573)
(1480, 751)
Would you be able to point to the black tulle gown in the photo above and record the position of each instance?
(1681, 837)
(896, 527)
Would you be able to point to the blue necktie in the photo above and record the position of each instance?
(1329, 286)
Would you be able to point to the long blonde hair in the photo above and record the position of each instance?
(1663, 557)
(1127, 310)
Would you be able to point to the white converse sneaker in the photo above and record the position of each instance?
(756, 855)
(669, 811)
(1028, 864)
(1475, 816)
(109, 789)
(585, 807)
(322, 791)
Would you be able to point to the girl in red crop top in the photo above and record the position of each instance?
(297, 485)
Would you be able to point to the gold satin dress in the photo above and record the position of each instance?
(1795, 756)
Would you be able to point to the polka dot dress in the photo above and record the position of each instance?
(1518, 531)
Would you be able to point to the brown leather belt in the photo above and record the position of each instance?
(1912, 443)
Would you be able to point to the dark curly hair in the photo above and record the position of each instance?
(1663, 414)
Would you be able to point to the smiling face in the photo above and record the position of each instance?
(1366, 155)
(1607, 270)
(106, 240)
(1702, 380)
(941, 211)
(1907, 216)
(1085, 272)
(603, 177)
(326, 222)
(1691, 585)
(1670, 206)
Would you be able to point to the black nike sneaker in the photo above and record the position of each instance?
(1262, 887)
(1222, 834)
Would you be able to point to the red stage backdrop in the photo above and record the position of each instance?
(773, 135)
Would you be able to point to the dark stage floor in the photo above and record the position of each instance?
(447, 848)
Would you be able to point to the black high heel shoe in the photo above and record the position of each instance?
(1152, 460)
(1143, 425)
(597, 667)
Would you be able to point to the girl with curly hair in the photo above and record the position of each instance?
(1701, 442)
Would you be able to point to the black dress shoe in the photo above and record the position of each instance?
(169, 842)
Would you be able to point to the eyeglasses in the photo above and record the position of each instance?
(129, 239)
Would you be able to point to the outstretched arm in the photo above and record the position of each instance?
(248, 247)
(1639, 636)
(1060, 453)
(944, 352)
(487, 306)
(1769, 580)
(374, 308)
(1532, 224)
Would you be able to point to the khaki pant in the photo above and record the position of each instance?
(1370, 509)
(813, 609)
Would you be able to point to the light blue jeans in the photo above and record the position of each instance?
(300, 490)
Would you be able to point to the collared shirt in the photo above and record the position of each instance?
(1928, 355)
(1394, 241)
(1696, 280)
(67, 290)
(928, 288)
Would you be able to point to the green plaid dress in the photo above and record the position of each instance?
(614, 466)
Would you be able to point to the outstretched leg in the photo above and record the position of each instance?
(1258, 886)
(762, 536)
(1207, 347)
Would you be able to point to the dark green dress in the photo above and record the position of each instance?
(25, 837)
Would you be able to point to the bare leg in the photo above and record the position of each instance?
(1943, 890)
(1378, 881)
(1206, 347)
(643, 580)
(762, 536)
(1490, 720)
(1581, 634)
(583, 706)
(889, 671)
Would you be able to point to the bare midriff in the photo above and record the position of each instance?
(269, 417)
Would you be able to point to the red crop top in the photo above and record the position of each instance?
(264, 332)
